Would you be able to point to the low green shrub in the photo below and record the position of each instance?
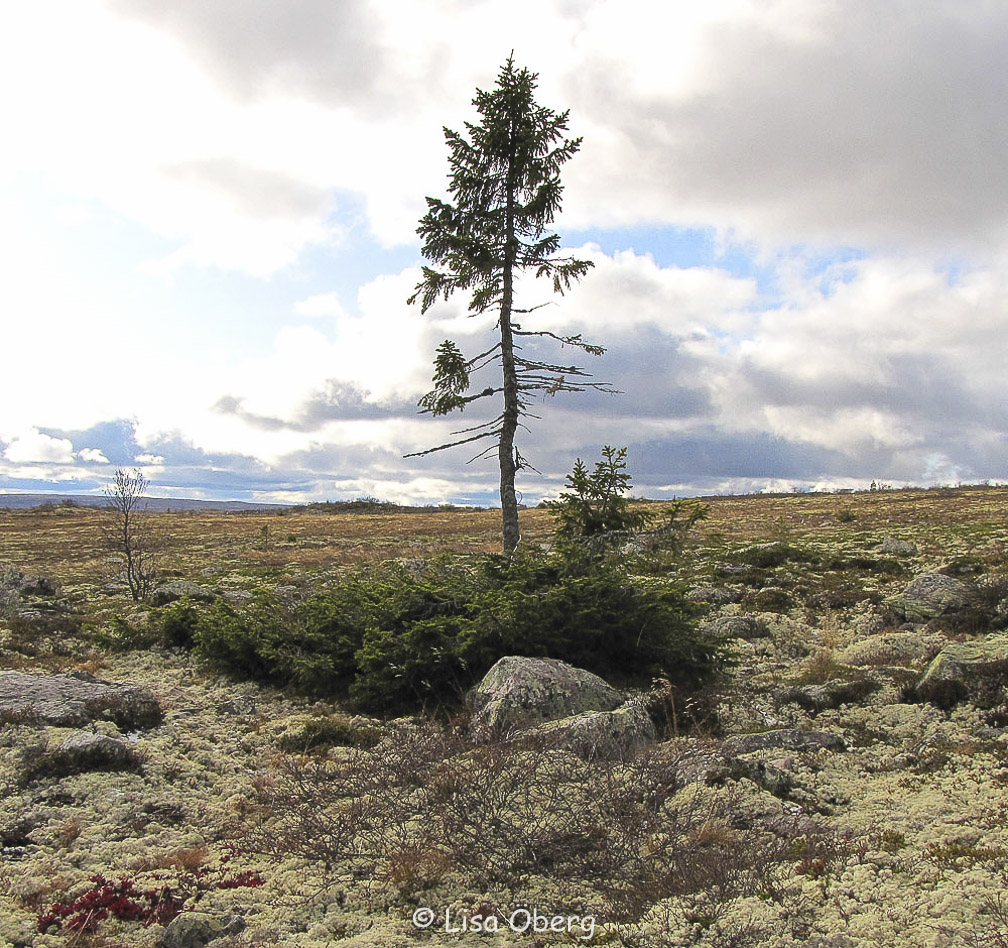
(771, 555)
(398, 639)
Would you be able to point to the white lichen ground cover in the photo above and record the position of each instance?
(917, 806)
(925, 866)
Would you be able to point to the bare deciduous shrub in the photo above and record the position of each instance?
(130, 534)
(432, 801)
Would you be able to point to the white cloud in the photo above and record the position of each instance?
(33, 447)
(284, 143)
(322, 304)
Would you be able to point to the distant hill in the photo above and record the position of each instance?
(25, 501)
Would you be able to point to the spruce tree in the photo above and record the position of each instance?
(504, 190)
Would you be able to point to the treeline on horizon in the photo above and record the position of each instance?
(368, 504)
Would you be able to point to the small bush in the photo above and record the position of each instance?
(400, 640)
(623, 833)
(771, 599)
(771, 555)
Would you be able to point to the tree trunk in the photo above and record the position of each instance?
(509, 424)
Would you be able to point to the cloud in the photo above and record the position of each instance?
(838, 123)
(328, 51)
(33, 447)
(202, 248)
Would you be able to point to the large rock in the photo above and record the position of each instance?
(81, 752)
(196, 929)
(74, 700)
(931, 595)
(832, 694)
(963, 669)
(602, 734)
(897, 547)
(893, 648)
(181, 589)
(784, 739)
(521, 692)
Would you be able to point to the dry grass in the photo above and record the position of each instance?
(65, 543)
(807, 516)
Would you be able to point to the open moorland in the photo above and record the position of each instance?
(842, 781)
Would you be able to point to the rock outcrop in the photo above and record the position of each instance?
(519, 692)
(605, 734)
(963, 669)
(74, 700)
(81, 752)
(931, 595)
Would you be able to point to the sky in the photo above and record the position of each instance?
(797, 214)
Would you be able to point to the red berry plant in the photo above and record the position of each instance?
(124, 901)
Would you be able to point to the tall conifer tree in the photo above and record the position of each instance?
(504, 190)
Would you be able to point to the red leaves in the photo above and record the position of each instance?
(122, 900)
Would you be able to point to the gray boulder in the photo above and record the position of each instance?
(735, 627)
(602, 734)
(521, 692)
(196, 929)
(74, 700)
(785, 738)
(181, 589)
(931, 595)
(896, 547)
(893, 648)
(832, 694)
(963, 669)
(80, 753)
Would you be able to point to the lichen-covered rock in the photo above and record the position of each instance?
(832, 694)
(964, 668)
(181, 589)
(81, 752)
(15, 581)
(897, 547)
(893, 648)
(602, 734)
(931, 595)
(75, 699)
(735, 627)
(520, 692)
(789, 738)
(196, 929)
(714, 595)
(713, 766)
